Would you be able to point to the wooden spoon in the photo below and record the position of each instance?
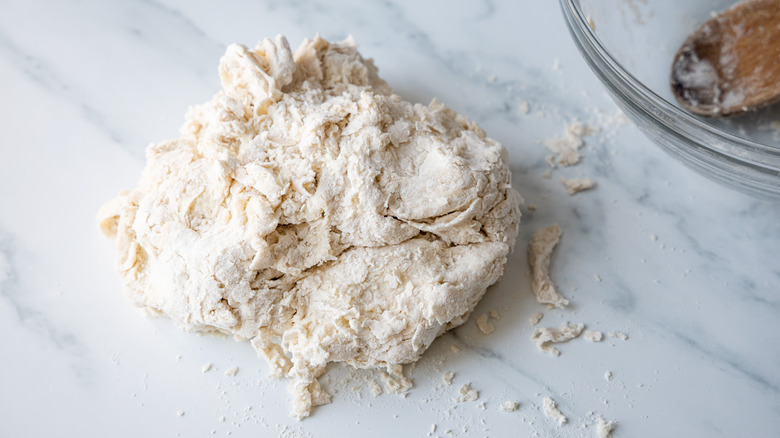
(731, 63)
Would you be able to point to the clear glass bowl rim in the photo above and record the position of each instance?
(573, 7)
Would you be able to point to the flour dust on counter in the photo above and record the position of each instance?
(309, 209)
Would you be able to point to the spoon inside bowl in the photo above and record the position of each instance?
(731, 63)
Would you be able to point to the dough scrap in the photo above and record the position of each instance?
(593, 335)
(309, 209)
(485, 326)
(566, 146)
(552, 411)
(618, 335)
(540, 249)
(467, 393)
(604, 428)
(544, 336)
(575, 185)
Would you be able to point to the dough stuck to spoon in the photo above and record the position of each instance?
(731, 63)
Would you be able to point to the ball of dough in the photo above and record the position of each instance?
(311, 210)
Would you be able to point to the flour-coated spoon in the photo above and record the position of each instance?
(731, 63)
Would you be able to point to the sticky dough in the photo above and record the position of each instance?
(311, 210)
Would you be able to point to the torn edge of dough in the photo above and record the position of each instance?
(540, 249)
(551, 410)
(467, 393)
(535, 318)
(544, 336)
(575, 185)
(593, 336)
(604, 428)
(485, 326)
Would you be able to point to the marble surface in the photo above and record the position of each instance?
(686, 268)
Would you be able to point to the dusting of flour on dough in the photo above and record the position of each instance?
(309, 209)
(552, 411)
(544, 336)
(540, 249)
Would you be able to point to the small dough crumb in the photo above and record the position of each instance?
(532, 207)
(596, 277)
(509, 406)
(618, 335)
(551, 410)
(535, 318)
(523, 107)
(608, 376)
(593, 336)
(206, 367)
(566, 147)
(467, 393)
(545, 336)
(455, 348)
(575, 185)
(604, 428)
(180, 413)
(448, 376)
(375, 388)
(495, 315)
(231, 372)
(484, 325)
(540, 249)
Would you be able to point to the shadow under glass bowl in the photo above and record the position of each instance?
(630, 44)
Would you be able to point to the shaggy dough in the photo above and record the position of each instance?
(311, 210)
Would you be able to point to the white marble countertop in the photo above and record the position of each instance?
(688, 269)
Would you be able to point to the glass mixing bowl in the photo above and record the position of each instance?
(630, 44)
